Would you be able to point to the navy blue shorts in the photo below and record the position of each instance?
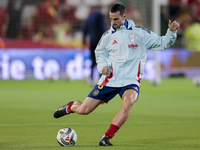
(106, 93)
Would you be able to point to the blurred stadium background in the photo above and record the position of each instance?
(43, 38)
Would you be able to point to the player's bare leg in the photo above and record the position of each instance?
(78, 107)
(129, 98)
(86, 107)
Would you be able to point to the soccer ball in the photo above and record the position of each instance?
(66, 137)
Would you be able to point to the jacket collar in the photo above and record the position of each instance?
(124, 26)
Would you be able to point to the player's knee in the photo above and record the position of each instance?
(130, 96)
(127, 104)
(130, 100)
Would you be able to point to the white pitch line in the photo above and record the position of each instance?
(56, 124)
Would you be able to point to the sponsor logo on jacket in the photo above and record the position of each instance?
(133, 46)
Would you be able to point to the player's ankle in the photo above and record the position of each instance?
(111, 131)
(68, 109)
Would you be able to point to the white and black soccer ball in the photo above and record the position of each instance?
(66, 137)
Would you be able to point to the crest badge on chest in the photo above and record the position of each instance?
(131, 38)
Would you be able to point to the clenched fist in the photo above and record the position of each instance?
(106, 70)
(173, 26)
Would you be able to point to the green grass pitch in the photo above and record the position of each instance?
(166, 117)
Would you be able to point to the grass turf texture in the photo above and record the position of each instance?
(165, 117)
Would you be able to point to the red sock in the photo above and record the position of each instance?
(111, 131)
(69, 108)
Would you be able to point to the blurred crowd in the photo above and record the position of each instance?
(28, 19)
(187, 13)
(63, 20)
(50, 19)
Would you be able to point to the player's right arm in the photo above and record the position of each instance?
(102, 56)
(106, 70)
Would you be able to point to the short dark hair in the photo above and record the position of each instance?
(118, 7)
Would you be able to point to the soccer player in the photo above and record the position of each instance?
(121, 55)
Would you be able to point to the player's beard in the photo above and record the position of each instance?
(116, 26)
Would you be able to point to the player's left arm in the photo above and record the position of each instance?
(173, 26)
(155, 42)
